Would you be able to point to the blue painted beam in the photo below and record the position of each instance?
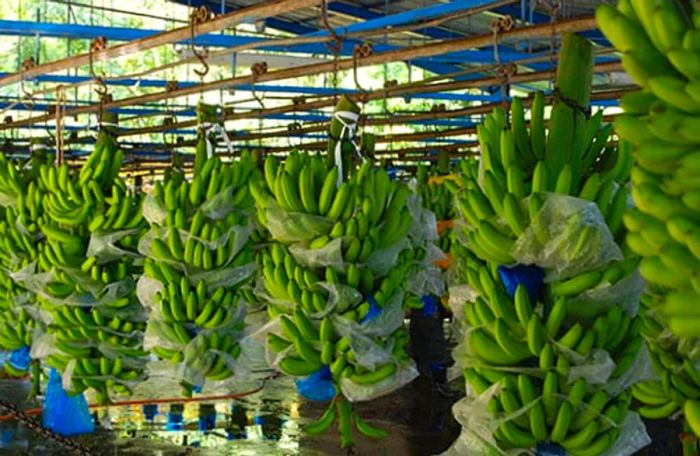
(298, 29)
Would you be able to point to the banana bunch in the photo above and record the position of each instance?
(94, 312)
(438, 198)
(530, 344)
(578, 416)
(659, 48)
(368, 211)
(346, 221)
(674, 359)
(200, 246)
(20, 241)
(12, 184)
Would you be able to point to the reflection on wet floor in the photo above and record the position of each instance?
(268, 422)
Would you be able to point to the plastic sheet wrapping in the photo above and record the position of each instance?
(220, 205)
(330, 255)
(104, 246)
(424, 227)
(153, 211)
(198, 357)
(459, 296)
(261, 292)
(625, 293)
(567, 237)
(405, 374)
(340, 298)
(426, 280)
(8, 200)
(380, 262)
(97, 295)
(365, 338)
(290, 227)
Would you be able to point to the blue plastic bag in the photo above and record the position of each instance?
(176, 421)
(63, 414)
(20, 359)
(430, 305)
(317, 386)
(150, 411)
(530, 276)
(373, 312)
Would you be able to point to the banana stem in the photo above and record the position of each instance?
(36, 378)
(688, 440)
(568, 119)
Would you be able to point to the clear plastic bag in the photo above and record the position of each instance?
(380, 262)
(153, 211)
(330, 255)
(198, 357)
(625, 293)
(426, 280)
(405, 374)
(289, 227)
(104, 246)
(220, 205)
(567, 237)
(98, 295)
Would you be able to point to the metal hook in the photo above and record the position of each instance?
(98, 44)
(199, 16)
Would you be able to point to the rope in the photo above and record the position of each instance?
(505, 72)
(208, 128)
(360, 51)
(349, 121)
(60, 98)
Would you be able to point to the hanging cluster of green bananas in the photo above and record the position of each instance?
(358, 217)
(660, 44)
(502, 197)
(20, 242)
(674, 359)
(201, 255)
(12, 185)
(95, 315)
(438, 198)
(516, 178)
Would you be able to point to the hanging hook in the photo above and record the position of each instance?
(98, 44)
(199, 16)
(257, 70)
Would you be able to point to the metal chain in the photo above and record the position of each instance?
(37, 428)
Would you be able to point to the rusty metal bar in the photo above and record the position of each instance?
(403, 54)
(250, 14)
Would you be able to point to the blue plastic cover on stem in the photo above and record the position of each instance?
(63, 414)
(530, 276)
(20, 359)
(549, 449)
(317, 386)
(430, 305)
(373, 312)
